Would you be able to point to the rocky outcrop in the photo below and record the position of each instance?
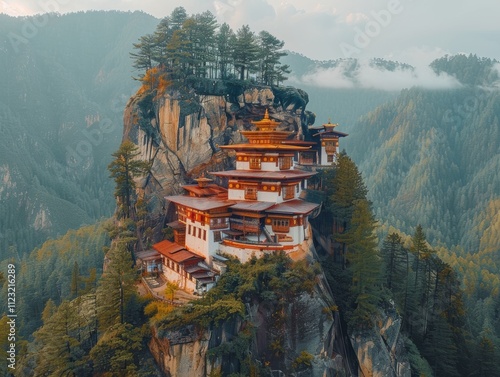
(381, 352)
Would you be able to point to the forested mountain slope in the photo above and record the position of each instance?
(65, 82)
(432, 157)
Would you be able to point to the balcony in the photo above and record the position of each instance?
(219, 225)
(247, 226)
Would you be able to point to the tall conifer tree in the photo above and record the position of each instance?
(124, 168)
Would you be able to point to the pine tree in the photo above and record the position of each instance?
(486, 361)
(75, 280)
(124, 168)
(48, 311)
(143, 58)
(420, 249)
(345, 187)
(394, 256)
(116, 286)
(117, 352)
(245, 52)
(364, 263)
(225, 42)
(59, 350)
(440, 350)
(269, 57)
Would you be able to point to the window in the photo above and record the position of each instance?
(288, 192)
(329, 158)
(307, 158)
(281, 225)
(217, 236)
(255, 163)
(189, 229)
(251, 192)
(331, 146)
(204, 234)
(218, 223)
(285, 163)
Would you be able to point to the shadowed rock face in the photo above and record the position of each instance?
(381, 352)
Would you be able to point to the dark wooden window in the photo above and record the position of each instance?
(254, 163)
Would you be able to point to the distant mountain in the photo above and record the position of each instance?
(65, 82)
(433, 157)
(344, 105)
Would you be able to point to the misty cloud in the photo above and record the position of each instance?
(366, 75)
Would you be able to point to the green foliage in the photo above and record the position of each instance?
(469, 70)
(45, 274)
(364, 263)
(124, 168)
(190, 48)
(304, 360)
(344, 187)
(64, 340)
(419, 366)
(273, 277)
(236, 348)
(117, 352)
(116, 287)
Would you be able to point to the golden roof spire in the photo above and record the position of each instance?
(266, 114)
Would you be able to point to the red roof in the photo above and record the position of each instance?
(253, 206)
(201, 204)
(176, 252)
(331, 134)
(300, 142)
(265, 175)
(183, 256)
(209, 190)
(265, 147)
(166, 247)
(295, 206)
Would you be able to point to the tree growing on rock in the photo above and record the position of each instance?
(124, 168)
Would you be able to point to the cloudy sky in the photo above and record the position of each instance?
(410, 31)
(327, 29)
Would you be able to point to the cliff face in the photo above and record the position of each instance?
(381, 352)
